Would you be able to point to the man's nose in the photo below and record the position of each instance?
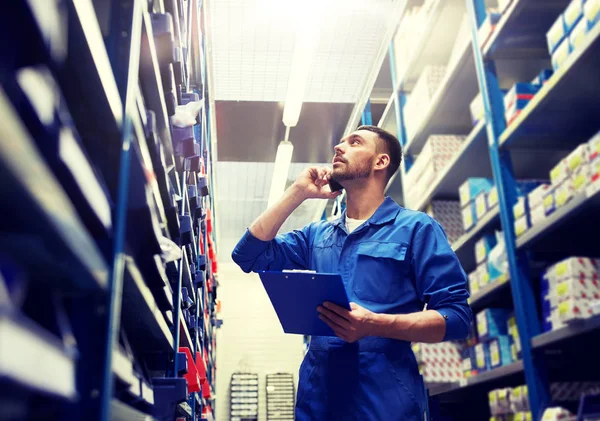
(338, 149)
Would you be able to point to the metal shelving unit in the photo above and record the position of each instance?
(559, 117)
(98, 185)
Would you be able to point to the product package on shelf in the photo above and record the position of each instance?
(510, 404)
(517, 98)
(557, 34)
(482, 357)
(500, 351)
(558, 414)
(473, 278)
(477, 110)
(535, 201)
(437, 152)
(447, 213)
(578, 34)
(591, 11)
(542, 77)
(491, 323)
(488, 26)
(569, 288)
(561, 54)
(420, 98)
(483, 247)
(469, 190)
(513, 332)
(440, 362)
(573, 14)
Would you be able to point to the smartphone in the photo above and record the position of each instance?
(334, 185)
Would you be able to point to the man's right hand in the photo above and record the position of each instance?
(313, 183)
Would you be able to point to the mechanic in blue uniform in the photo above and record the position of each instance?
(393, 262)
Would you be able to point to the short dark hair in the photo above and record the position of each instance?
(391, 146)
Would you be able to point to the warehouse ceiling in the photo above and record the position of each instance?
(251, 44)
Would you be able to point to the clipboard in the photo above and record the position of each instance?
(296, 295)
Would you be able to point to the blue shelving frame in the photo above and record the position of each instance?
(519, 36)
(113, 308)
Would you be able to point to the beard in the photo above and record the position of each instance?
(348, 172)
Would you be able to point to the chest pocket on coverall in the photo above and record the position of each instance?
(382, 272)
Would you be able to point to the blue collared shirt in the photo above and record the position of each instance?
(395, 263)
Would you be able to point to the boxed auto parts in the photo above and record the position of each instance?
(447, 213)
(578, 35)
(472, 187)
(573, 267)
(517, 99)
(500, 353)
(483, 246)
(557, 34)
(513, 332)
(469, 216)
(591, 10)
(561, 54)
(439, 363)
(482, 357)
(499, 401)
(437, 152)
(420, 98)
(483, 274)
(491, 323)
(573, 14)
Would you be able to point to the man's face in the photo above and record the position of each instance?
(354, 156)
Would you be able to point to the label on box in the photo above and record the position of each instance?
(580, 181)
(537, 215)
(480, 252)
(519, 207)
(494, 354)
(573, 12)
(493, 197)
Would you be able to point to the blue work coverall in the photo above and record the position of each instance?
(395, 263)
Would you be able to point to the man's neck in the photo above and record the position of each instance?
(363, 200)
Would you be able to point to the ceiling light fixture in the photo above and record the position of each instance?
(281, 169)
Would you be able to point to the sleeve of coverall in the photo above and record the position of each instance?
(286, 251)
(440, 279)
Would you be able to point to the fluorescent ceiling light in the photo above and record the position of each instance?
(280, 171)
(302, 60)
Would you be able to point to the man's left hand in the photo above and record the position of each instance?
(349, 325)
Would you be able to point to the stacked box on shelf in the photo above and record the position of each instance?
(421, 96)
(468, 193)
(569, 288)
(447, 213)
(243, 401)
(280, 397)
(488, 26)
(571, 28)
(510, 404)
(437, 152)
(494, 348)
(517, 99)
(521, 210)
(440, 362)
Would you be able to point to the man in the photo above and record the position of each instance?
(392, 260)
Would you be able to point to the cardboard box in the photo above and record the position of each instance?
(473, 282)
(578, 34)
(549, 202)
(579, 157)
(520, 208)
(481, 207)
(519, 399)
(557, 34)
(558, 414)
(521, 225)
(469, 216)
(503, 5)
(448, 214)
(477, 109)
(482, 357)
(487, 27)
(537, 215)
(565, 192)
(536, 196)
(523, 416)
(491, 323)
(483, 275)
(483, 246)
(519, 95)
(583, 177)
(543, 77)
(573, 309)
(469, 190)
(573, 267)
(560, 172)
(594, 144)
(591, 11)
(500, 351)
(561, 54)
(578, 288)
(492, 198)
(573, 14)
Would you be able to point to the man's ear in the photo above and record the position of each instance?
(382, 161)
